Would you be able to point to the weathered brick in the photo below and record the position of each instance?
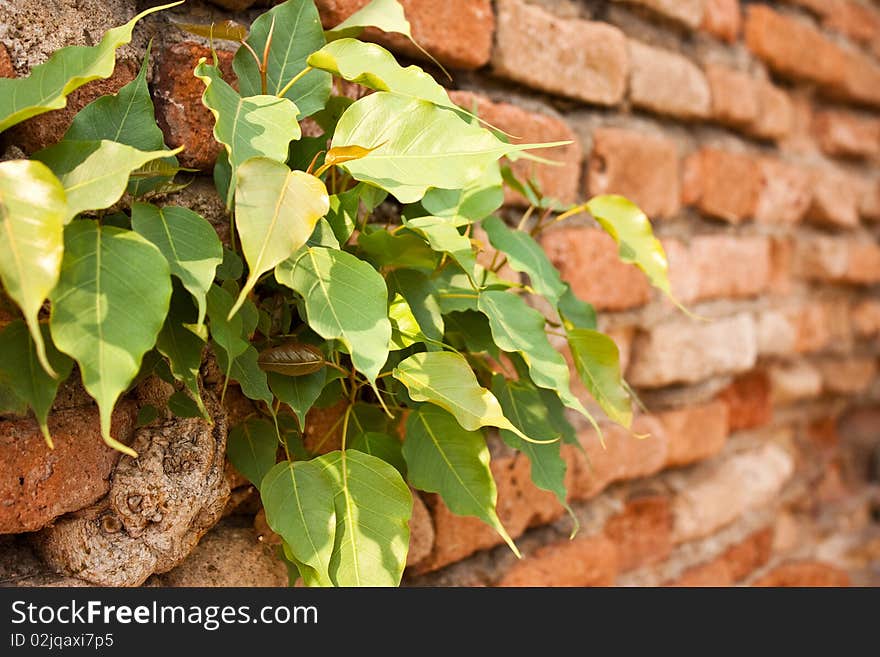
(781, 42)
(642, 532)
(587, 258)
(836, 199)
(714, 573)
(786, 192)
(559, 182)
(37, 484)
(838, 259)
(707, 177)
(587, 561)
(734, 95)
(722, 19)
(804, 574)
(421, 532)
(7, 70)
(715, 266)
(685, 351)
(792, 382)
(854, 19)
(642, 167)
(864, 263)
(803, 329)
(717, 495)
(847, 376)
(178, 98)
(781, 256)
(869, 207)
(457, 32)
(695, 433)
(775, 119)
(588, 60)
(734, 564)
(46, 129)
(842, 133)
(687, 12)
(667, 83)
(748, 401)
(861, 80)
(623, 456)
(866, 318)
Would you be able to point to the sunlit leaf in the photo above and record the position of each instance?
(444, 237)
(597, 360)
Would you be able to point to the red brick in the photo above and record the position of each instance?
(457, 32)
(421, 532)
(854, 19)
(667, 83)
(794, 382)
(869, 207)
(642, 532)
(836, 199)
(707, 185)
(861, 80)
(686, 12)
(588, 259)
(839, 260)
(583, 60)
(733, 565)
(734, 95)
(624, 456)
(685, 351)
(179, 110)
(782, 41)
(559, 182)
(866, 318)
(587, 561)
(714, 573)
(847, 376)
(748, 401)
(775, 118)
(37, 484)
(715, 266)
(781, 257)
(786, 192)
(642, 167)
(842, 133)
(804, 574)
(7, 70)
(722, 19)
(47, 129)
(864, 263)
(695, 433)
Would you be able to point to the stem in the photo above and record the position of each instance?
(264, 65)
(296, 78)
(526, 215)
(253, 53)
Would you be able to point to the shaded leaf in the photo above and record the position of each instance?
(462, 206)
(442, 457)
(418, 291)
(382, 446)
(227, 30)
(345, 299)
(182, 348)
(597, 360)
(298, 392)
(32, 213)
(445, 238)
(104, 320)
(245, 371)
(252, 447)
(574, 312)
(405, 329)
(402, 249)
(227, 332)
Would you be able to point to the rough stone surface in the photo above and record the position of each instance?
(588, 60)
(158, 507)
(227, 556)
(38, 484)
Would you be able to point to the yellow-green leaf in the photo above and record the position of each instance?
(597, 360)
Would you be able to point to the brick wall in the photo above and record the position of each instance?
(750, 133)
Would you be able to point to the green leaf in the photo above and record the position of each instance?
(188, 242)
(444, 237)
(418, 291)
(276, 210)
(182, 348)
(382, 446)
(343, 214)
(470, 329)
(127, 117)
(442, 457)
(525, 255)
(231, 268)
(387, 15)
(454, 291)
(227, 332)
(517, 327)
(252, 447)
(523, 404)
(94, 173)
(323, 235)
(630, 228)
(21, 371)
(463, 206)
(32, 212)
(405, 329)
(416, 145)
(597, 360)
(404, 249)
(374, 67)
(366, 418)
(108, 308)
(245, 370)
(445, 379)
(296, 33)
(345, 299)
(182, 405)
(47, 86)
(298, 392)
(227, 30)
(574, 312)
(251, 126)
(298, 499)
(373, 506)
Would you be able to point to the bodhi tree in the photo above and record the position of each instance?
(352, 280)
